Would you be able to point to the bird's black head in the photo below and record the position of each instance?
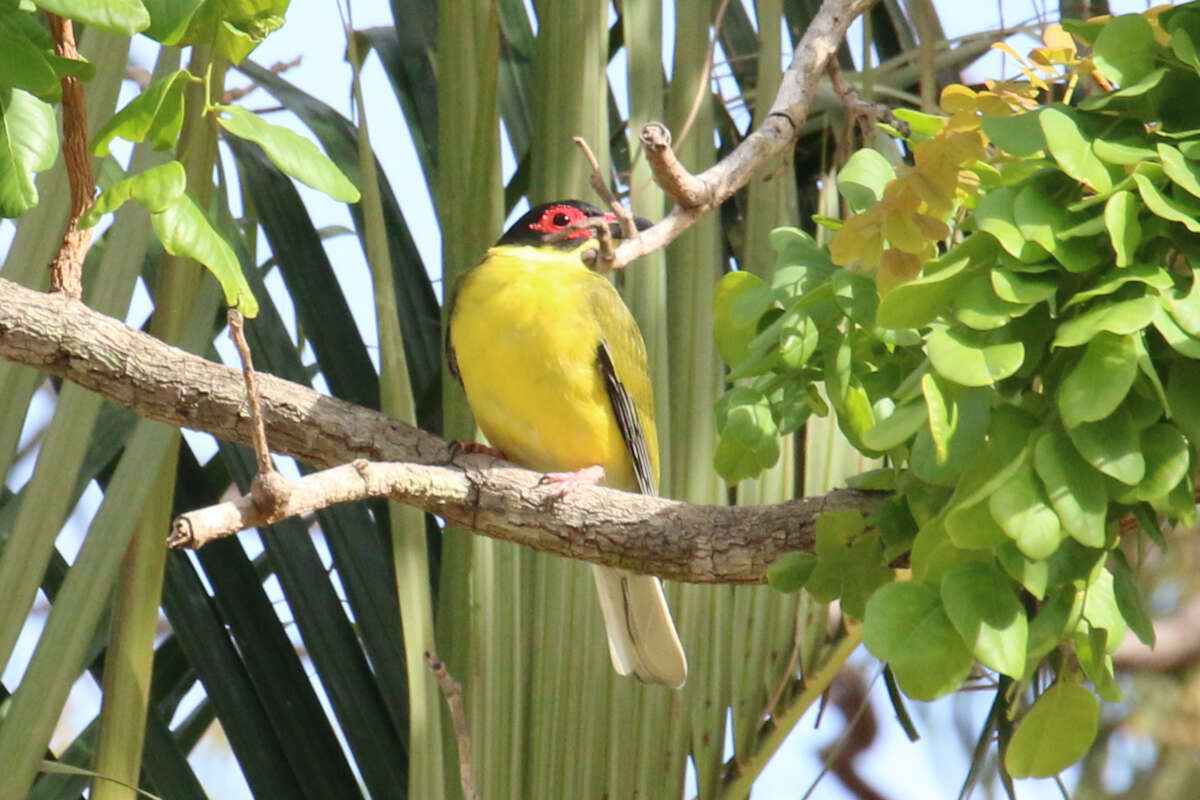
(543, 221)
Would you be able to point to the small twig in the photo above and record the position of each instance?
(66, 270)
(703, 90)
(279, 67)
(863, 109)
(452, 691)
(269, 490)
(600, 186)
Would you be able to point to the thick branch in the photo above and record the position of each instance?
(721, 544)
(778, 130)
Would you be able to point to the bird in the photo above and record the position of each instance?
(554, 369)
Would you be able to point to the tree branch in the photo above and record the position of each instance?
(66, 271)
(705, 544)
(697, 194)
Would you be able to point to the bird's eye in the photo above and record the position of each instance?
(561, 220)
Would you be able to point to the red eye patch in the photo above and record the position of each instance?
(556, 218)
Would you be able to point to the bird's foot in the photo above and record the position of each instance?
(566, 482)
(469, 447)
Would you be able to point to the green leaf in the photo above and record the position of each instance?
(1167, 456)
(1023, 287)
(1050, 626)
(919, 302)
(798, 339)
(1057, 732)
(940, 453)
(1023, 510)
(1092, 652)
(1096, 385)
(156, 189)
(28, 143)
(973, 527)
(24, 65)
(1100, 610)
(896, 429)
(749, 439)
(790, 571)
(974, 359)
(862, 180)
(907, 626)
(934, 553)
(1178, 169)
(1111, 446)
(1124, 51)
(1150, 274)
(733, 336)
(292, 153)
(1033, 574)
(1175, 336)
(1183, 387)
(169, 19)
(1121, 220)
(1127, 316)
(119, 16)
(156, 113)
(985, 610)
(185, 231)
(1123, 152)
(1130, 600)
(1072, 150)
(1040, 218)
(1018, 134)
(850, 564)
(977, 305)
(1075, 489)
(995, 216)
(1162, 206)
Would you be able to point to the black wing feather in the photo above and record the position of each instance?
(627, 420)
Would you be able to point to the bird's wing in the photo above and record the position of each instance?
(628, 420)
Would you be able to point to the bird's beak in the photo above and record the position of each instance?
(641, 223)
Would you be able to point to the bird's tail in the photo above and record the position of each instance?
(641, 633)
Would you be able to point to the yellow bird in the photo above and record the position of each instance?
(554, 368)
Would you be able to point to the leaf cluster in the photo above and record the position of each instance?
(30, 75)
(1033, 386)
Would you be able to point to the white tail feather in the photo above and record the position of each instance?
(641, 633)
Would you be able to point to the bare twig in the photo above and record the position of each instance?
(600, 186)
(279, 67)
(66, 270)
(452, 691)
(269, 489)
(697, 194)
(863, 109)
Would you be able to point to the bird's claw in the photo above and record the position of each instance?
(564, 483)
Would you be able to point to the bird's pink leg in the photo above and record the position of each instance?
(566, 482)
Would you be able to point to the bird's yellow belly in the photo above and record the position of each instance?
(527, 356)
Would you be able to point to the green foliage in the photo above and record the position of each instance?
(28, 144)
(1033, 379)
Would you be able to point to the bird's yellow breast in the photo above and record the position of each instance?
(525, 330)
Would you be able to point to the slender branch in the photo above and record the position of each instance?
(269, 489)
(66, 270)
(452, 691)
(776, 134)
(863, 109)
(647, 534)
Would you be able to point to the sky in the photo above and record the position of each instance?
(930, 769)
